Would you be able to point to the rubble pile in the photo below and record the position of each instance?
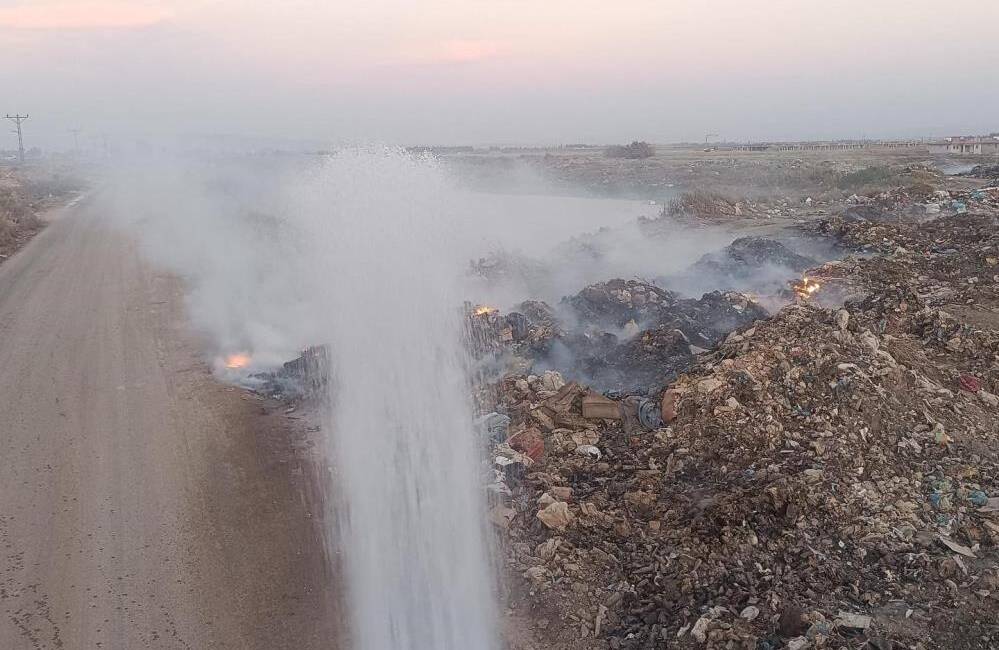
(626, 336)
(750, 253)
(984, 198)
(938, 239)
(889, 204)
(824, 478)
(616, 303)
(902, 204)
(984, 171)
(759, 263)
(510, 340)
(633, 336)
(304, 377)
(635, 304)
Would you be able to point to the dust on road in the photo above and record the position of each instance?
(143, 504)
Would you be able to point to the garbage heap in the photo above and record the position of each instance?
(621, 336)
(988, 171)
(901, 204)
(758, 264)
(304, 377)
(751, 254)
(827, 477)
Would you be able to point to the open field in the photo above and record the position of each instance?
(765, 176)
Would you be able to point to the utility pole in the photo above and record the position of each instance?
(17, 119)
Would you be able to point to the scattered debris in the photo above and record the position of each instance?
(853, 621)
(811, 479)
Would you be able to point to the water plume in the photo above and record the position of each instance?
(405, 457)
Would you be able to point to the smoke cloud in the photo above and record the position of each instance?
(242, 233)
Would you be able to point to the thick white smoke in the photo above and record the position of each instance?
(226, 229)
(240, 232)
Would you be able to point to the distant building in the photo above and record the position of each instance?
(824, 146)
(978, 145)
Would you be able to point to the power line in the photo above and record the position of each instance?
(17, 119)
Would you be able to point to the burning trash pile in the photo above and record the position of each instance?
(304, 377)
(624, 336)
(633, 336)
(491, 332)
(666, 332)
(990, 172)
(752, 263)
(237, 361)
(824, 478)
(806, 287)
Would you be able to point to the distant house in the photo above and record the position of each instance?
(979, 145)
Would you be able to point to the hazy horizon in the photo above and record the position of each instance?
(460, 72)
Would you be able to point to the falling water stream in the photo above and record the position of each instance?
(410, 521)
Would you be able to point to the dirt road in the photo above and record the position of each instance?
(142, 505)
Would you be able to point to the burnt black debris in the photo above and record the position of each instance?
(616, 303)
(622, 336)
(751, 263)
(304, 377)
(983, 171)
(651, 357)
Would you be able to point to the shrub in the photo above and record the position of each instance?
(865, 177)
(634, 150)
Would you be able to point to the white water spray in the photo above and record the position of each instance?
(412, 529)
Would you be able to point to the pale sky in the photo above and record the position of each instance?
(499, 71)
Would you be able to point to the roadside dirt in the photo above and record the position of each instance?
(25, 193)
(144, 504)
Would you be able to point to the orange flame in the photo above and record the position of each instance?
(237, 361)
(806, 287)
(482, 310)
